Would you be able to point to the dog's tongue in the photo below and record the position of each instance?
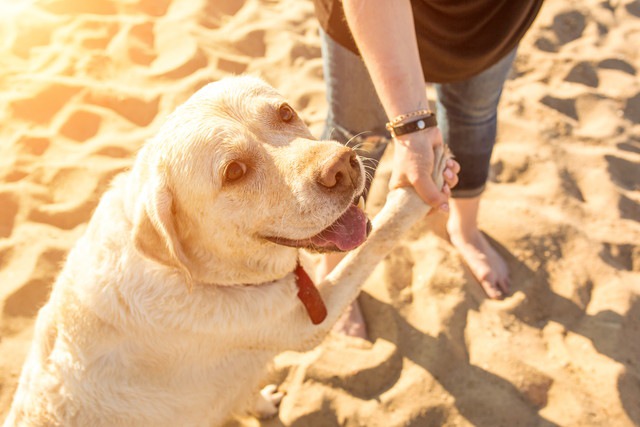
(348, 232)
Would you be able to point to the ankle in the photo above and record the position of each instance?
(462, 230)
(463, 219)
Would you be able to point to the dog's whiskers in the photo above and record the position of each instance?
(348, 143)
(369, 159)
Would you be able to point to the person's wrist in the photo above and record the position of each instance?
(416, 139)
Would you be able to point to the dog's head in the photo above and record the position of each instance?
(234, 183)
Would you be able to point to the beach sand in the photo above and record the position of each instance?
(84, 83)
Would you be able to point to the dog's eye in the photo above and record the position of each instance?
(234, 171)
(286, 113)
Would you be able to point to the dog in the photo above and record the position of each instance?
(187, 281)
(183, 286)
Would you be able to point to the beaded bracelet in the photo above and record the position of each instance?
(402, 117)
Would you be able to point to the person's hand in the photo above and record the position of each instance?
(413, 165)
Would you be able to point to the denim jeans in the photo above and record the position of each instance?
(466, 113)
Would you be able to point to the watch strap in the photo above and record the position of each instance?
(415, 125)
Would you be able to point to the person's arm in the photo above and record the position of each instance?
(385, 34)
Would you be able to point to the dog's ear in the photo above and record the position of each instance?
(154, 229)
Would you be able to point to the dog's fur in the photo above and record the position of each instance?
(174, 300)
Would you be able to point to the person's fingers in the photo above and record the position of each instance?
(428, 191)
(453, 165)
(414, 164)
(446, 190)
(450, 178)
(451, 173)
(425, 188)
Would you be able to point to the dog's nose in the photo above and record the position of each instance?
(340, 169)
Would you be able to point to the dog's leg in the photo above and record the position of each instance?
(401, 211)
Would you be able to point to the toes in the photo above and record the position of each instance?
(496, 289)
(505, 285)
(492, 291)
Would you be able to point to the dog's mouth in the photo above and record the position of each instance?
(348, 232)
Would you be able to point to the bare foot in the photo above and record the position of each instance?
(488, 267)
(352, 322)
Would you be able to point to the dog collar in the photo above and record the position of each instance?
(310, 296)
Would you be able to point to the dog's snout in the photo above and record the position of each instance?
(340, 169)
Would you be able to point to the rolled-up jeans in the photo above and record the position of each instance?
(466, 113)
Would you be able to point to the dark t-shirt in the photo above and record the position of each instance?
(457, 39)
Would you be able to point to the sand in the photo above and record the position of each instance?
(83, 83)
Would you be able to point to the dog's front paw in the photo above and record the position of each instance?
(268, 400)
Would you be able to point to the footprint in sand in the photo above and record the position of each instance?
(81, 124)
(140, 44)
(511, 166)
(565, 28)
(96, 7)
(629, 209)
(247, 44)
(8, 213)
(33, 144)
(565, 106)
(634, 8)
(617, 64)
(621, 256)
(598, 117)
(632, 109)
(72, 190)
(569, 185)
(618, 78)
(44, 101)
(583, 73)
(250, 43)
(28, 299)
(235, 65)
(632, 146)
(568, 26)
(178, 55)
(32, 295)
(137, 108)
(624, 172)
(216, 12)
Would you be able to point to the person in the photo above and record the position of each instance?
(378, 56)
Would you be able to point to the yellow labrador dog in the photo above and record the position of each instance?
(186, 282)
